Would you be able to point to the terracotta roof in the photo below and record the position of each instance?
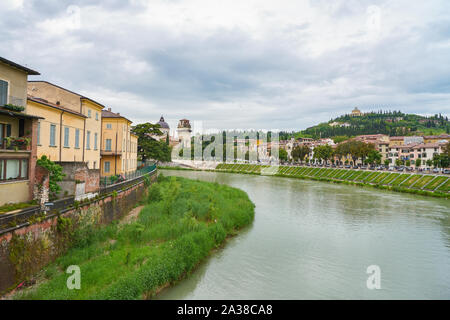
(55, 106)
(397, 138)
(20, 67)
(81, 96)
(109, 114)
(441, 136)
(428, 145)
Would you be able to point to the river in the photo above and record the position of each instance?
(315, 240)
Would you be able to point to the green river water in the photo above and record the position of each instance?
(315, 240)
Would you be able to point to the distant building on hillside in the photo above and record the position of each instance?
(356, 112)
(340, 124)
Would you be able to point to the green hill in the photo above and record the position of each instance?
(393, 123)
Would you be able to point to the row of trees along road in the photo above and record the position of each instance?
(355, 149)
(367, 152)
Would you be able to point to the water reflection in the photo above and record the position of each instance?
(314, 240)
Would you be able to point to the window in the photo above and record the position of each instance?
(13, 169)
(108, 145)
(108, 126)
(107, 166)
(39, 133)
(95, 141)
(89, 113)
(3, 92)
(88, 140)
(77, 138)
(66, 137)
(52, 135)
(96, 116)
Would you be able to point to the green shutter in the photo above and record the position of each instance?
(3, 92)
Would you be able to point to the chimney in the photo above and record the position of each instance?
(109, 109)
(57, 103)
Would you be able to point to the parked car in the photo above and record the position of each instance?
(446, 171)
(409, 169)
(348, 166)
(364, 167)
(400, 169)
(436, 170)
(391, 169)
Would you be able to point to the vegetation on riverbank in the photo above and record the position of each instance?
(437, 186)
(181, 223)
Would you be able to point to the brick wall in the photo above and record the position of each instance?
(79, 171)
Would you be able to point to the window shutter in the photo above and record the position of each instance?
(3, 92)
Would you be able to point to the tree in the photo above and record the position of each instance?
(386, 162)
(446, 149)
(300, 152)
(149, 148)
(55, 174)
(374, 156)
(418, 163)
(283, 155)
(429, 163)
(323, 152)
(408, 163)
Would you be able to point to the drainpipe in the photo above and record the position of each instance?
(84, 136)
(60, 135)
(115, 159)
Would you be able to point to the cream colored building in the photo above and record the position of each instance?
(17, 159)
(71, 131)
(119, 145)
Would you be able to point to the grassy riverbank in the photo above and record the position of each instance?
(430, 185)
(182, 222)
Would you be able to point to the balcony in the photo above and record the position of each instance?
(16, 144)
(108, 152)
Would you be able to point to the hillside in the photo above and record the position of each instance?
(393, 123)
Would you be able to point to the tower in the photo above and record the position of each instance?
(184, 132)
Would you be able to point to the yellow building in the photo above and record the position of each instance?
(437, 139)
(60, 134)
(72, 131)
(118, 146)
(17, 135)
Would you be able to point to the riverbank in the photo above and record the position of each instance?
(182, 222)
(427, 185)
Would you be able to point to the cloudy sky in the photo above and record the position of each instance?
(263, 64)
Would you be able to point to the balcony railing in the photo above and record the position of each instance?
(108, 152)
(13, 100)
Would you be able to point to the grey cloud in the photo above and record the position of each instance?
(230, 78)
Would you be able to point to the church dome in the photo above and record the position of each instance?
(163, 123)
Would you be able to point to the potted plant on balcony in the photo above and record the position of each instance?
(17, 143)
(14, 108)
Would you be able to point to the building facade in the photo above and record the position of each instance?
(18, 132)
(119, 145)
(73, 129)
